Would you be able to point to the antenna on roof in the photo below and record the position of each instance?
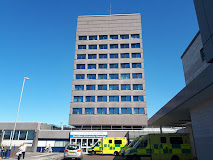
(110, 8)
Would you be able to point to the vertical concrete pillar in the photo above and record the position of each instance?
(35, 141)
(161, 131)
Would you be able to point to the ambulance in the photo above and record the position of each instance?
(170, 146)
(108, 145)
(129, 146)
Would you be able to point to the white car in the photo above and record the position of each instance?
(73, 151)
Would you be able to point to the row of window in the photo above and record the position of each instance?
(111, 87)
(111, 111)
(104, 66)
(19, 135)
(111, 76)
(104, 56)
(105, 37)
(111, 98)
(111, 46)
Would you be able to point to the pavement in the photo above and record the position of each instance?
(59, 156)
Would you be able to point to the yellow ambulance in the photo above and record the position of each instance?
(108, 145)
(170, 146)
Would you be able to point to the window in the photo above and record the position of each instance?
(81, 56)
(114, 98)
(113, 37)
(80, 76)
(162, 139)
(135, 45)
(92, 56)
(136, 55)
(125, 65)
(136, 75)
(78, 98)
(79, 87)
(77, 111)
(113, 110)
(136, 65)
(113, 76)
(137, 87)
(115, 65)
(90, 98)
(135, 36)
(176, 140)
(138, 98)
(113, 46)
(138, 110)
(124, 55)
(30, 135)
(102, 98)
(113, 55)
(125, 76)
(7, 135)
(102, 66)
(82, 38)
(16, 135)
(91, 76)
(102, 76)
(125, 87)
(126, 111)
(89, 110)
(102, 87)
(110, 141)
(102, 56)
(126, 36)
(143, 144)
(124, 45)
(103, 46)
(80, 66)
(81, 46)
(113, 87)
(91, 66)
(92, 37)
(103, 37)
(125, 98)
(118, 141)
(90, 87)
(22, 135)
(92, 46)
(101, 111)
(202, 54)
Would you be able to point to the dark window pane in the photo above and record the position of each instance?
(162, 139)
(82, 37)
(124, 36)
(92, 46)
(23, 135)
(124, 55)
(103, 37)
(92, 37)
(103, 46)
(30, 135)
(92, 56)
(81, 56)
(81, 46)
(102, 56)
(135, 36)
(113, 36)
(118, 141)
(7, 135)
(113, 46)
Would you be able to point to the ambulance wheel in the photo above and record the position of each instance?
(93, 153)
(116, 153)
(175, 158)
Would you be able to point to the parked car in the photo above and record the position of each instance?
(73, 151)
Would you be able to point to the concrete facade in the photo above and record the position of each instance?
(108, 25)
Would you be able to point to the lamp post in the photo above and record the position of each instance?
(25, 78)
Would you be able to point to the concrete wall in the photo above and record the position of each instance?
(192, 61)
(202, 122)
(53, 134)
(205, 19)
(108, 25)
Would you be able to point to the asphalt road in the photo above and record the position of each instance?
(59, 156)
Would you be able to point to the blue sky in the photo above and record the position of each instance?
(37, 40)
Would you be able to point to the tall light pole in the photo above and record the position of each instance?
(25, 78)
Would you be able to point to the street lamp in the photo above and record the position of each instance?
(17, 112)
